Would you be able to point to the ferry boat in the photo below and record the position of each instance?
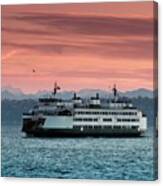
(114, 117)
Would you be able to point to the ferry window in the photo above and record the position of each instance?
(134, 127)
(96, 112)
(89, 119)
(134, 120)
(77, 119)
(95, 119)
(117, 127)
(126, 120)
(76, 127)
(107, 119)
(109, 127)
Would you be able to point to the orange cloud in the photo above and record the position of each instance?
(94, 44)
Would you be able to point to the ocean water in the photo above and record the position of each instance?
(77, 158)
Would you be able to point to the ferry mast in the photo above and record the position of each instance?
(56, 88)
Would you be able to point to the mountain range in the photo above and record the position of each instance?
(11, 93)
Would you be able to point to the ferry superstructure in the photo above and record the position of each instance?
(114, 117)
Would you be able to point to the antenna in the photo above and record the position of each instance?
(75, 95)
(114, 91)
(56, 87)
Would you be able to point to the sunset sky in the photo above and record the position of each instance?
(77, 45)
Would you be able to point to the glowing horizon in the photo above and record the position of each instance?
(78, 45)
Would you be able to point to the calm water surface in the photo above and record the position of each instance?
(88, 158)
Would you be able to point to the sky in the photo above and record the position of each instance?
(78, 45)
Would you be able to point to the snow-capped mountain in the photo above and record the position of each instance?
(16, 94)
